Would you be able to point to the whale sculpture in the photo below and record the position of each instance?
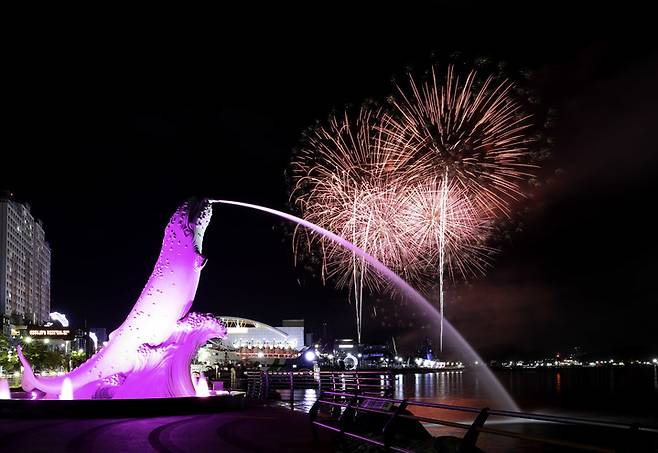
(149, 355)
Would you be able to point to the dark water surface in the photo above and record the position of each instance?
(623, 395)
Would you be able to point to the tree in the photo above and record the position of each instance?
(77, 359)
(41, 357)
(8, 357)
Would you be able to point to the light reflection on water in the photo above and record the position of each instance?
(620, 395)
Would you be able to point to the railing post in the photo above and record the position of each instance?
(471, 436)
(313, 415)
(388, 430)
(343, 420)
(266, 385)
(630, 442)
(292, 391)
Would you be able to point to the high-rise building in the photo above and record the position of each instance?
(24, 265)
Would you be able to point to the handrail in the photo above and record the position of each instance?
(515, 414)
(476, 427)
(260, 383)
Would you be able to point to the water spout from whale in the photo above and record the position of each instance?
(503, 398)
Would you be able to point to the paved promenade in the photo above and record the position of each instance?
(251, 430)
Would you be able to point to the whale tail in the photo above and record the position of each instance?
(29, 382)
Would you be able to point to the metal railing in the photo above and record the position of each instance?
(262, 385)
(343, 408)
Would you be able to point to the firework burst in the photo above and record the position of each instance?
(476, 133)
(416, 186)
(343, 182)
(349, 180)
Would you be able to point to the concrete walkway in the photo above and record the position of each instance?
(251, 430)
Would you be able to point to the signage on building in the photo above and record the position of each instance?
(49, 332)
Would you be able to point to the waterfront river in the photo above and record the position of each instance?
(625, 395)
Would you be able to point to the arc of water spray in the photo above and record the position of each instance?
(407, 290)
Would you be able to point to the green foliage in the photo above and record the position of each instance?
(77, 359)
(43, 358)
(8, 357)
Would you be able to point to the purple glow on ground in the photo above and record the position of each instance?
(499, 391)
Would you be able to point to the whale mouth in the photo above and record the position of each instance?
(198, 218)
(196, 211)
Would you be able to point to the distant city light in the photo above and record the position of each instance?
(94, 338)
(309, 356)
(46, 340)
(28, 340)
(655, 361)
(60, 317)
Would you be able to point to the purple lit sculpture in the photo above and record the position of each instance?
(149, 355)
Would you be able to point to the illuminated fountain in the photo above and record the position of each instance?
(149, 355)
(67, 390)
(4, 390)
(202, 386)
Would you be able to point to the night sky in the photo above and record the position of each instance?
(106, 132)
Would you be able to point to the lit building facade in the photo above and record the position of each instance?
(24, 265)
(249, 340)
